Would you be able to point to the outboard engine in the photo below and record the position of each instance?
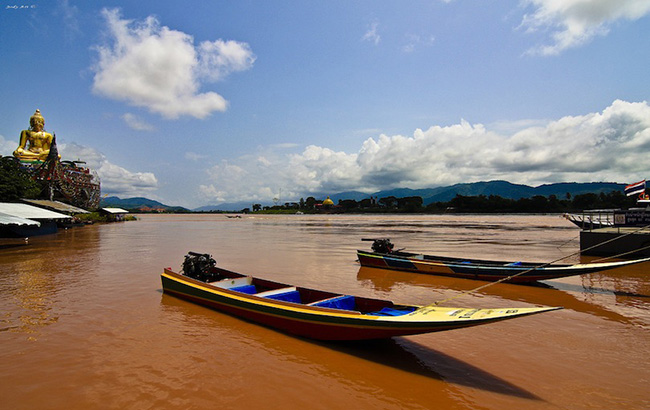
(382, 246)
(200, 266)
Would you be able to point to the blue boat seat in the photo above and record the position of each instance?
(344, 302)
(392, 312)
(289, 294)
(249, 289)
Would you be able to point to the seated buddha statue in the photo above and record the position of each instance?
(35, 142)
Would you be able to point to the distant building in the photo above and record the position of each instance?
(327, 206)
(114, 214)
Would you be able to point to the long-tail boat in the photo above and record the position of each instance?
(384, 256)
(318, 314)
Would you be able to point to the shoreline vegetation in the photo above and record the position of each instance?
(481, 204)
(98, 217)
(460, 204)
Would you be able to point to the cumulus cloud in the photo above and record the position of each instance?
(607, 146)
(153, 66)
(249, 178)
(115, 179)
(219, 58)
(600, 146)
(575, 22)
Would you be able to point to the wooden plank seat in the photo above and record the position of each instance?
(233, 283)
(276, 291)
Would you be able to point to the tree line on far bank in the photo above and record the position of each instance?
(467, 204)
(535, 204)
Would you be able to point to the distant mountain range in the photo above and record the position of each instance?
(503, 189)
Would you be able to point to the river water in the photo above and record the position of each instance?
(84, 323)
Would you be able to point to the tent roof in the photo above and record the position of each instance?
(57, 206)
(14, 220)
(115, 210)
(29, 211)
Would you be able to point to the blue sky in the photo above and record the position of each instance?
(195, 103)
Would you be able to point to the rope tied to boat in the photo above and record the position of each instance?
(467, 292)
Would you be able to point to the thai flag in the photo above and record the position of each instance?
(635, 188)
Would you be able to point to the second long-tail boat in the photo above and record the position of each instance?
(384, 256)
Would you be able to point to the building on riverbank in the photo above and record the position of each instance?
(114, 214)
(45, 220)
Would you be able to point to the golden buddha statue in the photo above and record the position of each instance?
(39, 141)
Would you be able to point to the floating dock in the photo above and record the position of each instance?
(624, 241)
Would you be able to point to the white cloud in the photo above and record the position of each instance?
(250, 178)
(607, 146)
(512, 127)
(70, 15)
(115, 180)
(193, 156)
(153, 66)
(576, 22)
(219, 58)
(7, 147)
(414, 41)
(372, 35)
(136, 123)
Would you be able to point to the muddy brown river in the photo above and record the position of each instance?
(84, 323)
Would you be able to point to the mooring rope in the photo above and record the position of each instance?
(467, 292)
(621, 254)
(567, 242)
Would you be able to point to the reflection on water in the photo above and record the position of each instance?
(33, 295)
(398, 353)
(84, 320)
(610, 304)
(359, 366)
(31, 284)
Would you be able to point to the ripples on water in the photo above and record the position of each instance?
(84, 323)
